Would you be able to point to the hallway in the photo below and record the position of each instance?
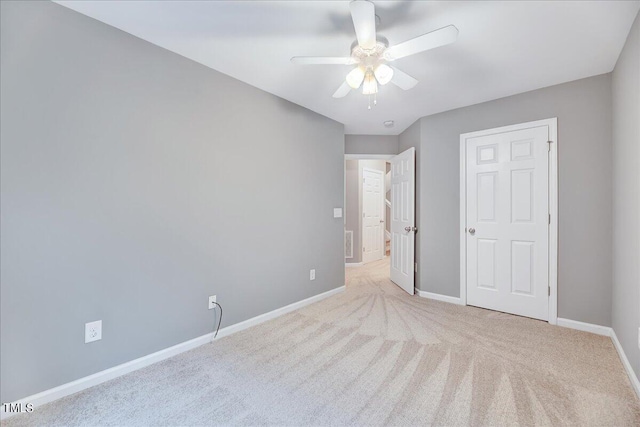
(372, 274)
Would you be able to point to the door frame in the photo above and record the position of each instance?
(382, 214)
(552, 123)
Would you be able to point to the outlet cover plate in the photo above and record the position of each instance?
(92, 331)
(312, 274)
(212, 301)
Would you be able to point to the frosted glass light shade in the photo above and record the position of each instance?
(370, 85)
(384, 74)
(355, 77)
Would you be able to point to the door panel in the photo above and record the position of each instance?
(487, 187)
(487, 263)
(507, 221)
(522, 267)
(522, 203)
(403, 220)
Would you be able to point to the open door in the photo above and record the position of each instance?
(403, 224)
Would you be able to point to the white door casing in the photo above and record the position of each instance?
(509, 219)
(403, 182)
(372, 215)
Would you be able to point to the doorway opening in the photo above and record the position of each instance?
(367, 210)
(379, 220)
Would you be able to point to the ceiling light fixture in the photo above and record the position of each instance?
(389, 123)
(372, 70)
(355, 77)
(370, 85)
(383, 74)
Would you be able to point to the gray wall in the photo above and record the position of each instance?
(352, 208)
(583, 109)
(371, 144)
(626, 197)
(134, 185)
(407, 139)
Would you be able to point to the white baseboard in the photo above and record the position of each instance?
(627, 366)
(353, 264)
(276, 313)
(72, 387)
(608, 332)
(439, 297)
(585, 327)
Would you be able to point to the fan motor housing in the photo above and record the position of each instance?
(369, 57)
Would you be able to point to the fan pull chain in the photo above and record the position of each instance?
(375, 100)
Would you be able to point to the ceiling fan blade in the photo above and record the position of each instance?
(342, 91)
(431, 40)
(323, 60)
(402, 79)
(363, 14)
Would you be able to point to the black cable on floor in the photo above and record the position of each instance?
(219, 321)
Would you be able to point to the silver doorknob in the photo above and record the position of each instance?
(407, 229)
(472, 231)
(381, 221)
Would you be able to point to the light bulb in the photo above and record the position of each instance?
(370, 85)
(355, 77)
(384, 74)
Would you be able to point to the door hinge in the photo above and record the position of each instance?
(363, 249)
(549, 144)
(549, 288)
(549, 218)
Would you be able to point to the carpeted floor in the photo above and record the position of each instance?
(372, 355)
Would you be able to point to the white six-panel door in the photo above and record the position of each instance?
(507, 221)
(403, 176)
(372, 215)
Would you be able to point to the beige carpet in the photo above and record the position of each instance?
(371, 356)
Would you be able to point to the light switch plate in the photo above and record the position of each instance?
(337, 212)
(312, 274)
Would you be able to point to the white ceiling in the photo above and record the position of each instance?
(504, 48)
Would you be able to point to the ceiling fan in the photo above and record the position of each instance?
(371, 55)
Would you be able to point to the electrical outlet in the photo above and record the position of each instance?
(212, 302)
(92, 331)
(312, 274)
